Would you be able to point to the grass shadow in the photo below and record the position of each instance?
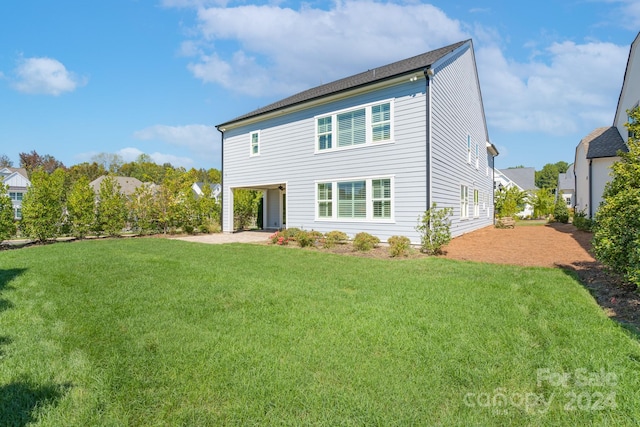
(20, 400)
(619, 300)
(7, 276)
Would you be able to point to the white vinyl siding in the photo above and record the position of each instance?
(255, 144)
(355, 127)
(365, 199)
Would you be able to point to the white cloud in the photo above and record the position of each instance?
(46, 76)
(570, 87)
(348, 38)
(203, 141)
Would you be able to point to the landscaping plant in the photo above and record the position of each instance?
(364, 242)
(399, 245)
(434, 227)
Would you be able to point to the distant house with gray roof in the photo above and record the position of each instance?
(524, 179)
(17, 181)
(567, 186)
(598, 151)
(128, 185)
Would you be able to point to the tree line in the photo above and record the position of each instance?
(60, 201)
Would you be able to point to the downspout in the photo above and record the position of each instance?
(590, 191)
(221, 178)
(493, 188)
(428, 73)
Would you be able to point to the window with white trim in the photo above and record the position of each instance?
(464, 201)
(476, 203)
(15, 196)
(359, 199)
(381, 198)
(325, 133)
(361, 126)
(325, 200)
(255, 143)
(477, 156)
(18, 213)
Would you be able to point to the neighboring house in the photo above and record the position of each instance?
(18, 182)
(370, 152)
(567, 187)
(599, 150)
(522, 178)
(216, 189)
(128, 185)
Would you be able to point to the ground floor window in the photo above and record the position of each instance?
(476, 203)
(464, 201)
(359, 199)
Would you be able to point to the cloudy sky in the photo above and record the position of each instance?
(78, 78)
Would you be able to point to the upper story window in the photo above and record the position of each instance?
(255, 143)
(361, 126)
(477, 156)
(468, 148)
(15, 196)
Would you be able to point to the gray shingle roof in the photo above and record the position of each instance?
(567, 181)
(604, 142)
(413, 64)
(524, 177)
(127, 184)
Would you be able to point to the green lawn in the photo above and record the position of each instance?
(160, 332)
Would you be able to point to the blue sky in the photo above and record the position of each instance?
(78, 78)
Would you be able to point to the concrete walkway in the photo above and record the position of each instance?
(238, 237)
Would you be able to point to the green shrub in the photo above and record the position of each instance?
(583, 223)
(279, 238)
(399, 245)
(305, 238)
(364, 242)
(291, 233)
(560, 211)
(334, 237)
(434, 227)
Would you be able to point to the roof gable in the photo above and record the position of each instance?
(127, 184)
(603, 142)
(525, 178)
(630, 91)
(386, 72)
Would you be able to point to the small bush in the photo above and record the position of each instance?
(399, 245)
(560, 211)
(583, 223)
(305, 238)
(364, 242)
(291, 233)
(334, 237)
(278, 238)
(434, 227)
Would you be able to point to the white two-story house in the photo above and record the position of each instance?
(370, 152)
(598, 151)
(18, 182)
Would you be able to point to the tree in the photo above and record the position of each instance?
(434, 227)
(112, 208)
(5, 161)
(245, 207)
(81, 207)
(509, 201)
(548, 176)
(543, 202)
(560, 211)
(616, 239)
(110, 162)
(7, 225)
(91, 171)
(42, 207)
(32, 161)
(143, 209)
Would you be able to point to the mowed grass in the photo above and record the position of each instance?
(160, 332)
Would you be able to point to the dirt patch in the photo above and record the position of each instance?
(553, 245)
